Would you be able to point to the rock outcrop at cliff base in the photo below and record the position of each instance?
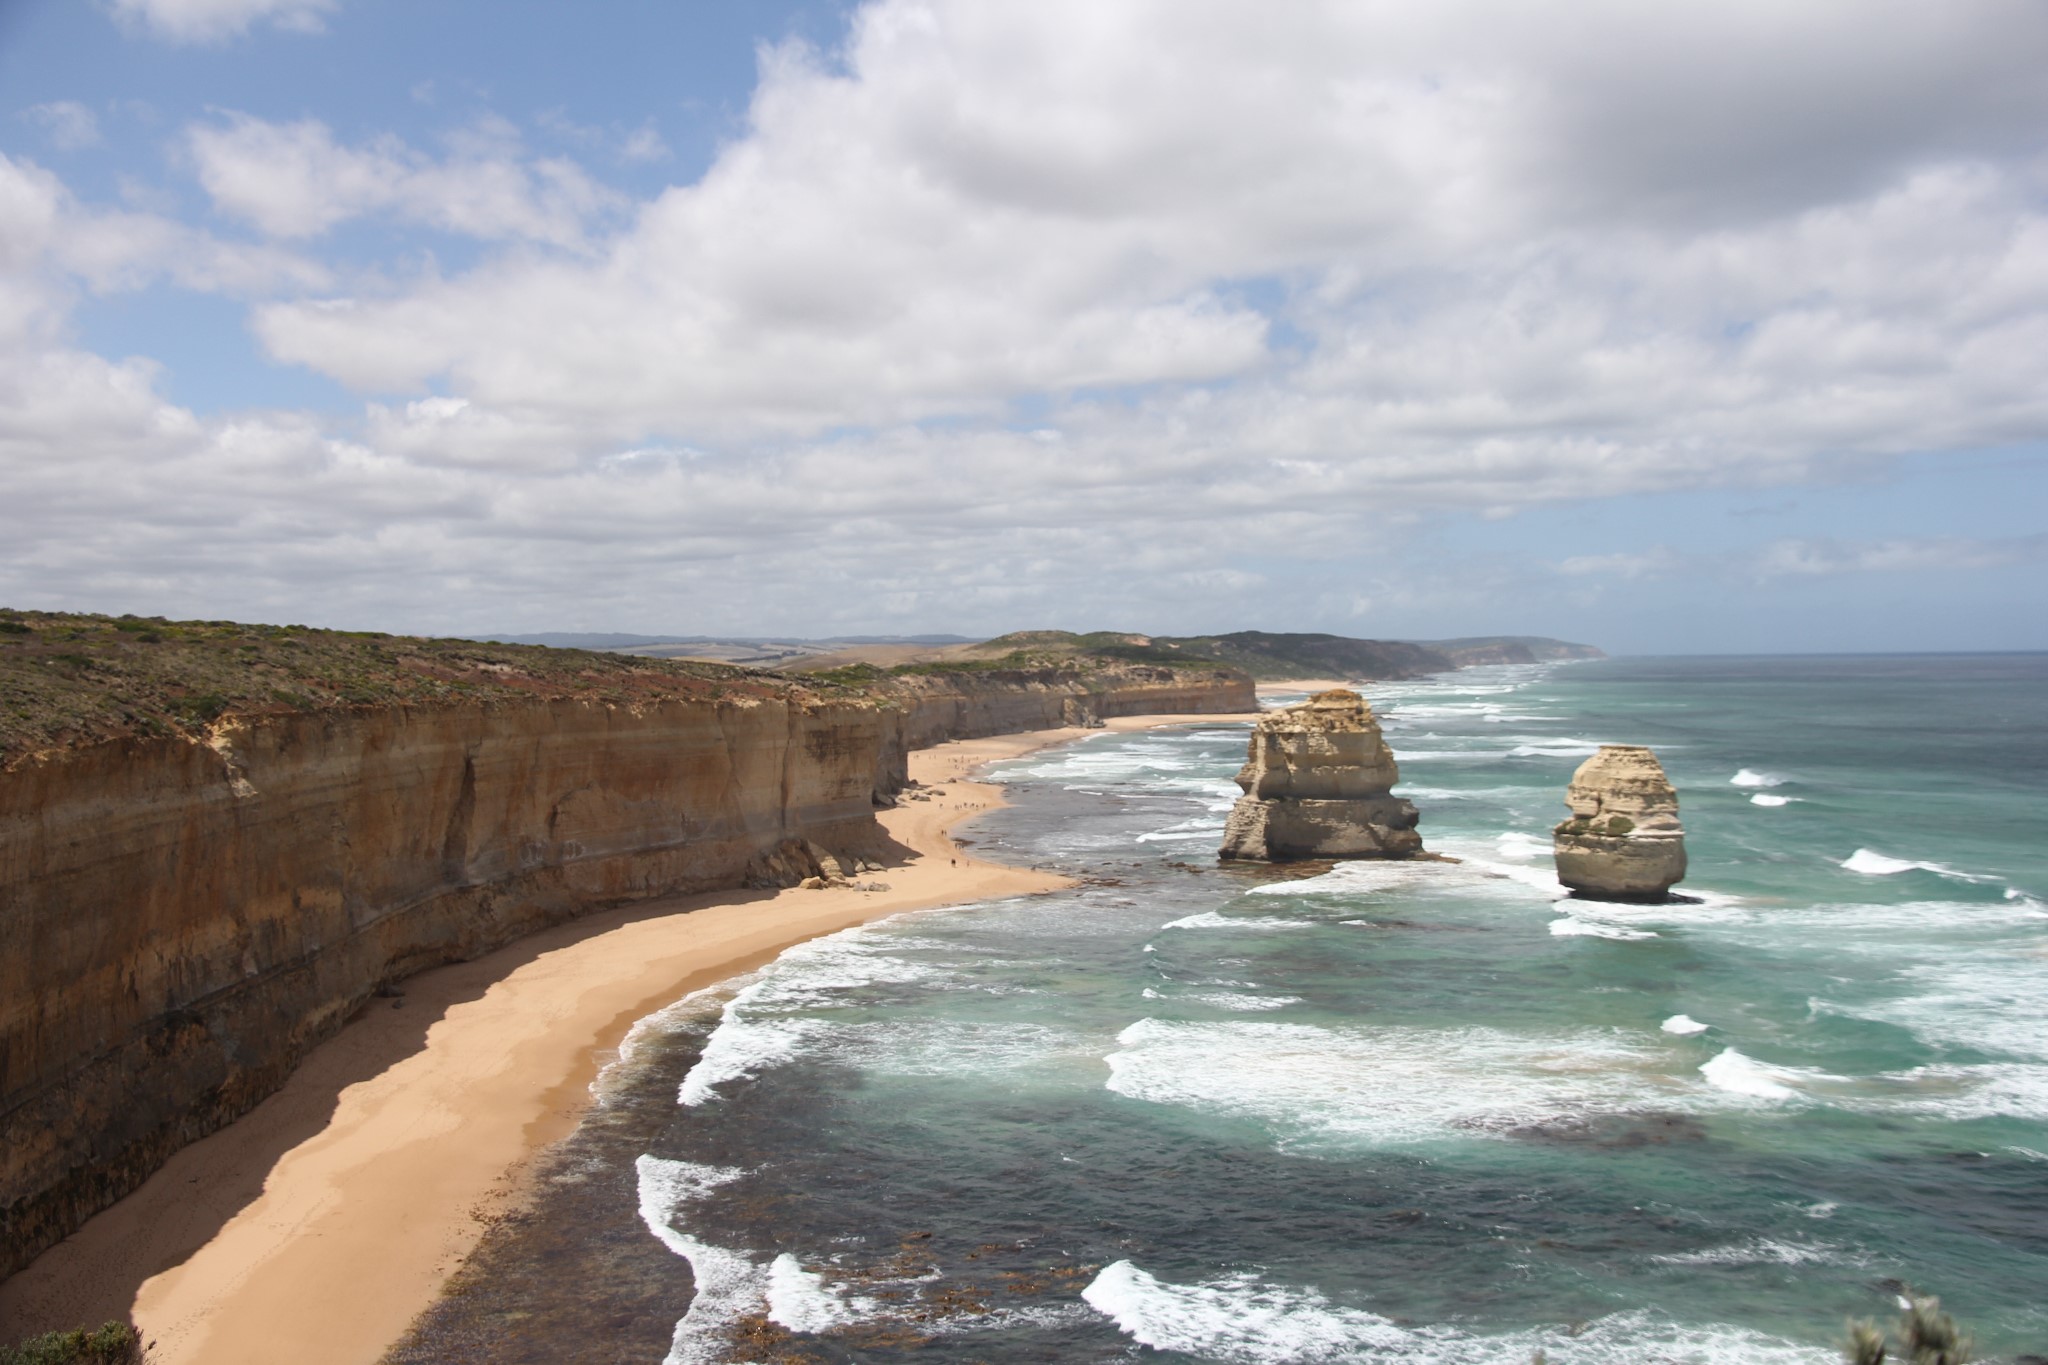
(1623, 841)
(1317, 782)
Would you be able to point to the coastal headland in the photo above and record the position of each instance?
(272, 869)
(318, 1225)
(220, 843)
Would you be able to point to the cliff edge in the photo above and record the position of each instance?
(218, 841)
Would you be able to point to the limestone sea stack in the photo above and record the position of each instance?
(1316, 785)
(1623, 841)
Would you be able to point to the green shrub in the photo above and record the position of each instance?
(1926, 1336)
(850, 675)
(16, 628)
(113, 1343)
(1620, 824)
(199, 709)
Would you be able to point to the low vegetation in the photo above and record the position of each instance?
(1271, 657)
(68, 678)
(114, 1343)
(71, 678)
(1080, 654)
(1614, 826)
(1279, 656)
(1924, 1336)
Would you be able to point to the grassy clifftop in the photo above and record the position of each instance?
(71, 678)
(1273, 657)
(1265, 655)
(1029, 651)
(68, 678)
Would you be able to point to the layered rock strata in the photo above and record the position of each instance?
(1623, 841)
(934, 708)
(1317, 783)
(183, 916)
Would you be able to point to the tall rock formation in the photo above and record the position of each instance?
(1623, 841)
(1316, 784)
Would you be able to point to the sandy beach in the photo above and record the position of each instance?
(316, 1227)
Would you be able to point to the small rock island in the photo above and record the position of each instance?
(1623, 841)
(1317, 784)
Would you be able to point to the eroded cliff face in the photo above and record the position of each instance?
(181, 921)
(1316, 781)
(182, 918)
(1623, 841)
(970, 705)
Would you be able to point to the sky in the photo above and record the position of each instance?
(1672, 328)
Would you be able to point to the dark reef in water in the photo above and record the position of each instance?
(574, 1276)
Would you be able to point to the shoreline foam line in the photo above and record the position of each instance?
(319, 1225)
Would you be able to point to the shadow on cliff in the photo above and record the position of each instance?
(96, 1273)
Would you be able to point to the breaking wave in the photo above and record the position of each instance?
(1871, 863)
(1244, 1319)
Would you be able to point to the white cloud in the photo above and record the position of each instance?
(1282, 282)
(70, 125)
(1627, 566)
(47, 238)
(211, 21)
(295, 180)
(644, 144)
(1512, 264)
(1814, 557)
(1810, 558)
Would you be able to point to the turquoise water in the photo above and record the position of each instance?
(1418, 1112)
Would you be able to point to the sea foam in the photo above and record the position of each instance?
(800, 1300)
(762, 1026)
(1237, 1318)
(1987, 998)
(741, 1049)
(729, 1286)
(1556, 748)
(1210, 919)
(1740, 1074)
(1387, 1086)
(1570, 926)
(1871, 863)
(1749, 777)
(1244, 1319)
(1765, 1251)
(1361, 877)
(2016, 1090)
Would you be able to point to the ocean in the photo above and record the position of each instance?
(1374, 1112)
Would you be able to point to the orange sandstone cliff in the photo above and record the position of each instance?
(198, 887)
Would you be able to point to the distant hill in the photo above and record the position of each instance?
(1268, 656)
(572, 640)
(1510, 649)
(1272, 657)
